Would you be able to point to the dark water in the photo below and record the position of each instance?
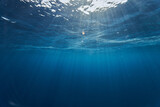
(107, 58)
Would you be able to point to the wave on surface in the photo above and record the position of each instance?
(79, 24)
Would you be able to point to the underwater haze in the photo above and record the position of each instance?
(79, 53)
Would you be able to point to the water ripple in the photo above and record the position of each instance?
(62, 25)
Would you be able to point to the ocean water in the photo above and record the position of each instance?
(79, 53)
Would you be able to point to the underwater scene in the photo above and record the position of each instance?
(79, 53)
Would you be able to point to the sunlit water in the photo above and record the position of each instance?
(79, 53)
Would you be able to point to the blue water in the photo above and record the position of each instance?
(108, 58)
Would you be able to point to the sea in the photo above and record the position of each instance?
(79, 53)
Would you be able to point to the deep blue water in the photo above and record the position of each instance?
(108, 58)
